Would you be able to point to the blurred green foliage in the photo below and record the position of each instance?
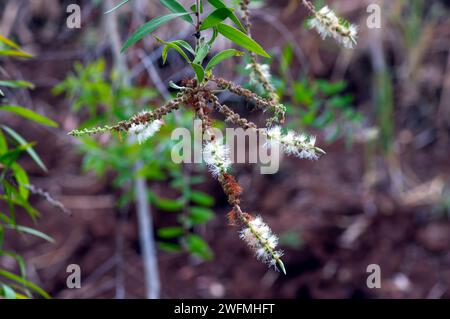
(102, 98)
(14, 182)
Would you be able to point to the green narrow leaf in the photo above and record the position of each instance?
(30, 231)
(15, 53)
(8, 292)
(116, 7)
(24, 282)
(9, 43)
(175, 6)
(213, 36)
(29, 114)
(216, 17)
(171, 45)
(170, 247)
(22, 179)
(149, 27)
(22, 142)
(166, 204)
(3, 145)
(170, 232)
(17, 84)
(17, 200)
(220, 4)
(201, 198)
(185, 45)
(201, 53)
(199, 247)
(199, 72)
(219, 57)
(241, 39)
(12, 155)
(200, 215)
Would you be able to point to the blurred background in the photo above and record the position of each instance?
(379, 196)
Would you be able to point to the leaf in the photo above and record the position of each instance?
(171, 45)
(200, 215)
(29, 114)
(22, 179)
(149, 27)
(15, 198)
(286, 58)
(24, 282)
(199, 72)
(215, 17)
(8, 292)
(170, 232)
(185, 45)
(219, 4)
(241, 39)
(201, 53)
(12, 155)
(169, 205)
(30, 231)
(9, 43)
(116, 7)
(170, 247)
(22, 142)
(219, 57)
(198, 247)
(3, 145)
(201, 198)
(175, 6)
(15, 53)
(17, 84)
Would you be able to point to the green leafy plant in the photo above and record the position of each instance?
(14, 182)
(200, 95)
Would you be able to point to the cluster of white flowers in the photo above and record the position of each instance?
(259, 237)
(256, 71)
(299, 145)
(217, 156)
(142, 132)
(328, 24)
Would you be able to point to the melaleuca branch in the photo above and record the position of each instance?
(199, 94)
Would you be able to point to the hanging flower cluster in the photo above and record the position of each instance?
(291, 143)
(143, 132)
(327, 24)
(263, 242)
(258, 71)
(216, 156)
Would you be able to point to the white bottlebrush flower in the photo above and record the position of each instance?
(257, 71)
(217, 156)
(274, 136)
(328, 24)
(142, 132)
(263, 242)
(299, 145)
